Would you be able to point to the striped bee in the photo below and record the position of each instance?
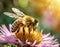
(24, 26)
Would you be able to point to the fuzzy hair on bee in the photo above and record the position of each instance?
(21, 19)
(24, 26)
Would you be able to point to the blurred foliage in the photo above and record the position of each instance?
(24, 6)
(10, 45)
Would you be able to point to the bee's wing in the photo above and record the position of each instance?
(11, 15)
(18, 12)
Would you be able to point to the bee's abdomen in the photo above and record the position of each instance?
(25, 33)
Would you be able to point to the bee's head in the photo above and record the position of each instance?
(29, 21)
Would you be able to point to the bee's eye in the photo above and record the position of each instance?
(35, 22)
(32, 23)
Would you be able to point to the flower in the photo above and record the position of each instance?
(7, 36)
(48, 41)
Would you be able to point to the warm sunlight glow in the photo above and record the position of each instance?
(58, 1)
(54, 4)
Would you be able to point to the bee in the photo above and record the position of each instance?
(24, 26)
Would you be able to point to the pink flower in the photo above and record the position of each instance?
(48, 41)
(7, 36)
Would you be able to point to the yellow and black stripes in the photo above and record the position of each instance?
(25, 33)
